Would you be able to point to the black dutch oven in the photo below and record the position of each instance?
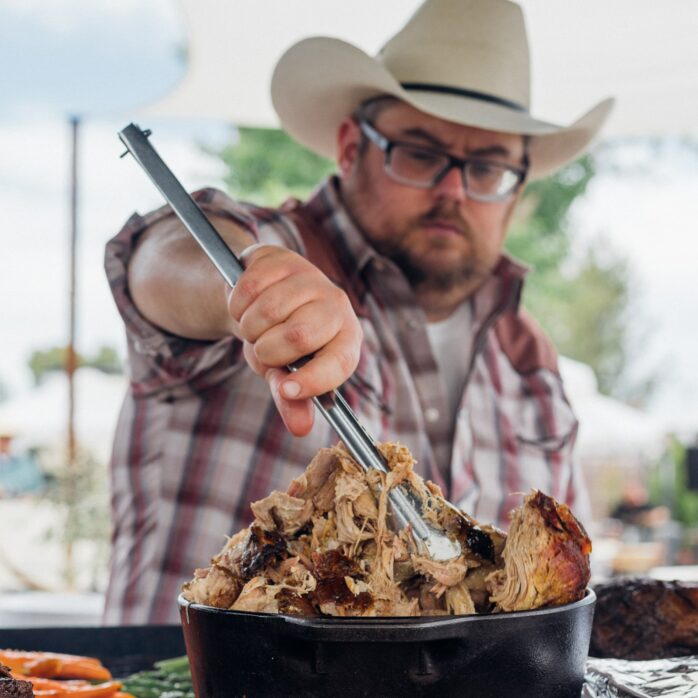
(540, 654)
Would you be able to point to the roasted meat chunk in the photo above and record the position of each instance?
(324, 547)
(546, 557)
(645, 619)
(13, 688)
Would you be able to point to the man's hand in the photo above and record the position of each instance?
(285, 308)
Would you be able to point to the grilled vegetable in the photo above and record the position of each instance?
(170, 678)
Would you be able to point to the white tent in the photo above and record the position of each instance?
(608, 428)
(38, 416)
(642, 51)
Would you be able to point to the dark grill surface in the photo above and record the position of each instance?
(123, 650)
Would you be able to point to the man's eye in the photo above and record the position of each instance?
(423, 157)
(484, 170)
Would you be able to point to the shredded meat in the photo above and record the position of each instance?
(325, 547)
(283, 513)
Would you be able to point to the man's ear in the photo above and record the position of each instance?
(348, 138)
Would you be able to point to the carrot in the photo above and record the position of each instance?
(25, 655)
(72, 689)
(81, 669)
(14, 660)
(42, 666)
(44, 669)
(42, 684)
(99, 690)
(56, 665)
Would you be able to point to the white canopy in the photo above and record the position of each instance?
(38, 417)
(642, 51)
(609, 429)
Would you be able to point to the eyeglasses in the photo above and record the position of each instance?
(483, 180)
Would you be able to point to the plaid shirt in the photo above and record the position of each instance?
(199, 437)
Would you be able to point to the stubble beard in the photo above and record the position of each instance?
(421, 275)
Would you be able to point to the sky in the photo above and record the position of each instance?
(105, 61)
(101, 62)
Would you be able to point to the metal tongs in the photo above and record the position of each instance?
(406, 506)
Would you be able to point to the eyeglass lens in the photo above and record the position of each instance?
(425, 168)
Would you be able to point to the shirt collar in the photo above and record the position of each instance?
(328, 209)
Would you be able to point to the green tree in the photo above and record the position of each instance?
(267, 166)
(79, 491)
(669, 484)
(581, 299)
(106, 360)
(43, 362)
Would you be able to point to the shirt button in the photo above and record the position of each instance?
(379, 265)
(431, 414)
(413, 324)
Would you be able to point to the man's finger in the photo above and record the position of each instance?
(327, 370)
(300, 335)
(298, 415)
(262, 271)
(275, 305)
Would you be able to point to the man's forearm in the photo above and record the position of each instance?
(176, 287)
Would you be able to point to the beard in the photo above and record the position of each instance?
(419, 270)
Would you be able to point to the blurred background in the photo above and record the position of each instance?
(611, 239)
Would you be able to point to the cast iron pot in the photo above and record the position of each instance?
(539, 654)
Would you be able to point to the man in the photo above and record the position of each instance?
(391, 276)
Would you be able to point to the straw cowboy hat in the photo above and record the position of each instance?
(465, 61)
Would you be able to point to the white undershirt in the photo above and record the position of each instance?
(451, 341)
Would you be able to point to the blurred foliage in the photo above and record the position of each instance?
(267, 166)
(581, 298)
(79, 490)
(684, 502)
(43, 362)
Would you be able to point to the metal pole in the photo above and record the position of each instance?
(71, 355)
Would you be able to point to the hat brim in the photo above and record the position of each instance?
(321, 80)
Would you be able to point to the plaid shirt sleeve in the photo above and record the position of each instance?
(162, 364)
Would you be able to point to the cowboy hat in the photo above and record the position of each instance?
(465, 61)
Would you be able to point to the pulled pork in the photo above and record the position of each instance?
(324, 547)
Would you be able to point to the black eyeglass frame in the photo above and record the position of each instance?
(387, 145)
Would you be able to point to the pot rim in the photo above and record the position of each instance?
(417, 627)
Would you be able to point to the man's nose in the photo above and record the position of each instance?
(451, 185)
